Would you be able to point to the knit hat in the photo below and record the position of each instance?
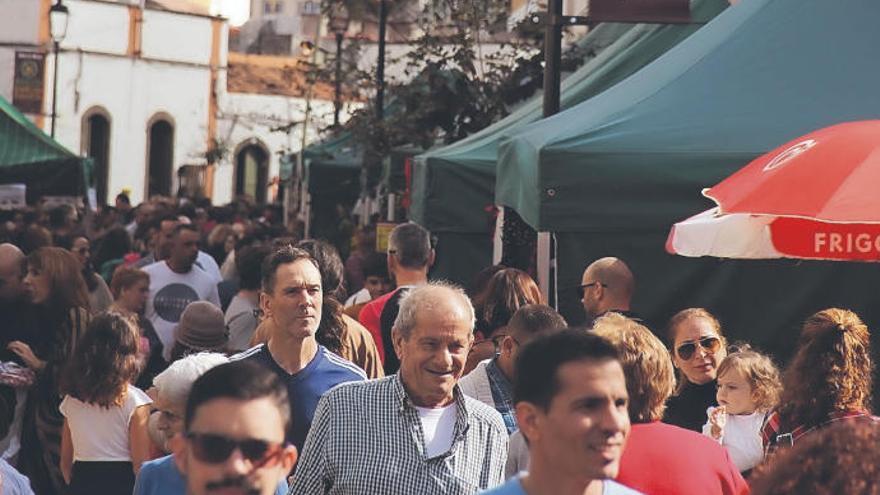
(202, 327)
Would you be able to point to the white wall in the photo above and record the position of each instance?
(132, 92)
(20, 22)
(249, 118)
(170, 36)
(95, 26)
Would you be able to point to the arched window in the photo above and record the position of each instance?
(96, 144)
(160, 156)
(252, 172)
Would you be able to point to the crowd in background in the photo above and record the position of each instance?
(143, 349)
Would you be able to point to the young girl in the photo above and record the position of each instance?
(105, 438)
(748, 388)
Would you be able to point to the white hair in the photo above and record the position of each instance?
(174, 384)
(426, 298)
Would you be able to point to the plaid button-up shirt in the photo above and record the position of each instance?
(367, 438)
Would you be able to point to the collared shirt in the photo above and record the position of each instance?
(367, 437)
(502, 394)
(306, 386)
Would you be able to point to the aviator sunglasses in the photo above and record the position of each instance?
(214, 449)
(709, 344)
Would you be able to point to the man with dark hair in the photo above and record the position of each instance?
(291, 299)
(355, 342)
(571, 406)
(175, 283)
(410, 256)
(412, 432)
(241, 317)
(491, 382)
(161, 240)
(377, 283)
(234, 432)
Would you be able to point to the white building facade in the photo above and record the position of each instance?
(143, 91)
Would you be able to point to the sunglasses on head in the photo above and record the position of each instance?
(214, 449)
(688, 349)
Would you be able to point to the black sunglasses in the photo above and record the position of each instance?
(214, 449)
(688, 349)
(582, 288)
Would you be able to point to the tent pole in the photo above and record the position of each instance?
(543, 254)
(497, 240)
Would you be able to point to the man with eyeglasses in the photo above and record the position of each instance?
(234, 426)
(491, 382)
(607, 286)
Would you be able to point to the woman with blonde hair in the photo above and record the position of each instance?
(57, 288)
(698, 347)
(828, 381)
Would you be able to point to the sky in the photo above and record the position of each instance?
(237, 11)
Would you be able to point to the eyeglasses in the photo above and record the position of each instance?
(582, 288)
(688, 349)
(214, 449)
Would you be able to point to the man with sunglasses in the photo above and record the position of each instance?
(491, 382)
(607, 286)
(234, 425)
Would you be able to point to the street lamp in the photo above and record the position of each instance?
(58, 16)
(339, 21)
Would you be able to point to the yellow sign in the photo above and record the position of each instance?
(383, 231)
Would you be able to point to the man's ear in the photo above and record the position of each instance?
(431, 258)
(507, 345)
(528, 418)
(288, 458)
(265, 304)
(397, 339)
(179, 451)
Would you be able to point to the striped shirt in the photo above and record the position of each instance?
(368, 438)
(305, 387)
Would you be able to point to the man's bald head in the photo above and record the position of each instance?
(608, 284)
(11, 272)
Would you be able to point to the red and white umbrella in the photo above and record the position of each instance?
(816, 197)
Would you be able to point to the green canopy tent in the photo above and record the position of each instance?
(454, 186)
(611, 175)
(28, 156)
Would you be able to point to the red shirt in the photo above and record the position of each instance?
(662, 459)
(370, 316)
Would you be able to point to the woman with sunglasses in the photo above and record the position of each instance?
(698, 347)
(104, 439)
(100, 297)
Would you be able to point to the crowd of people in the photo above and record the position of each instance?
(177, 348)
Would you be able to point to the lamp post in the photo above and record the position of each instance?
(58, 16)
(339, 21)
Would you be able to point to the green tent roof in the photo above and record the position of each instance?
(636, 156)
(452, 185)
(29, 156)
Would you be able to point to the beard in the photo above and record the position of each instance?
(234, 482)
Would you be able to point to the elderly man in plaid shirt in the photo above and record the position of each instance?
(413, 432)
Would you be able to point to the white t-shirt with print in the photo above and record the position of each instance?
(171, 293)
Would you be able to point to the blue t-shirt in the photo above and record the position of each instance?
(161, 477)
(304, 388)
(513, 486)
